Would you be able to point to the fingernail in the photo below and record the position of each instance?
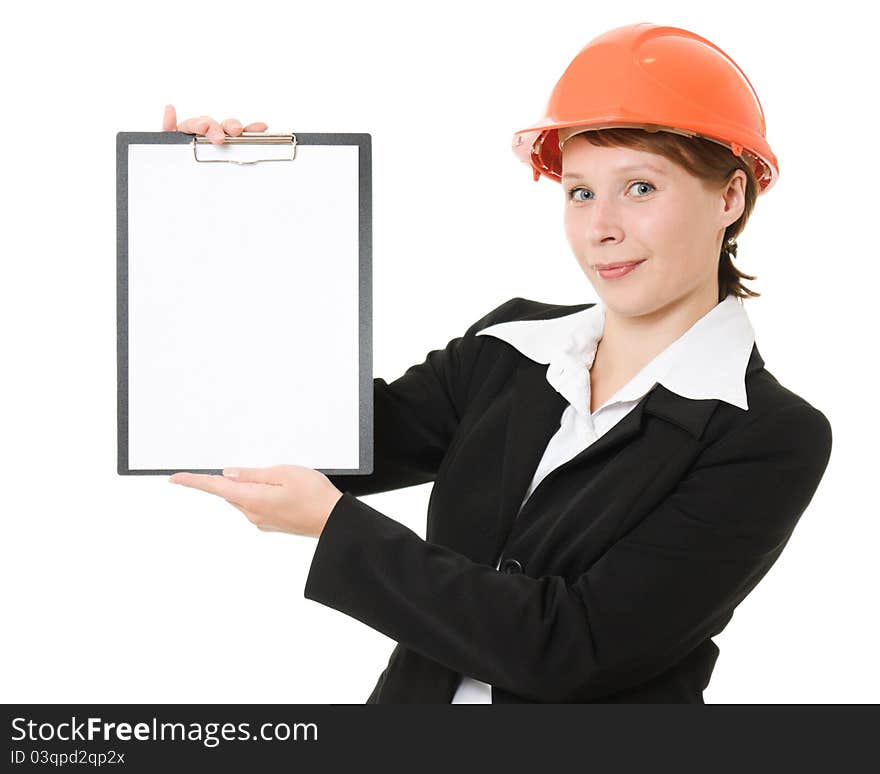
(230, 472)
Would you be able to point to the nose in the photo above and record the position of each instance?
(603, 222)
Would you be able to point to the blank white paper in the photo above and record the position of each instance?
(243, 309)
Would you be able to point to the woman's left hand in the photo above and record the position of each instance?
(282, 498)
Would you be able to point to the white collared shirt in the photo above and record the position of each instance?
(707, 361)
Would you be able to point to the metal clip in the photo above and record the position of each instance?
(247, 138)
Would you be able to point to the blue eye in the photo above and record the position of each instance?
(642, 182)
(571, 191)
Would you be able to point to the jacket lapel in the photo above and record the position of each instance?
(536, 411)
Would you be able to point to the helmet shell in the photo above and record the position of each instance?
(654, 78)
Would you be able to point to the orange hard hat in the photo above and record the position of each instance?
(655, 78)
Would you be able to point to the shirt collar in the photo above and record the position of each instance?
(708, 361)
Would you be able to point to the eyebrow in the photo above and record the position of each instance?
(627, 168)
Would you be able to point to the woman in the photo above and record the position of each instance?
(610, 480)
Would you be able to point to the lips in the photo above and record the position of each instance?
(604, 266)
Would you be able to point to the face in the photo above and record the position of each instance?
(629, 205)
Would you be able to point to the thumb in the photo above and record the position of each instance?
(253, 475)
(169, 120)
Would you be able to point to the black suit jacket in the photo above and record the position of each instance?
(624, 561)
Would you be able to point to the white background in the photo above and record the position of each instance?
(129, 589)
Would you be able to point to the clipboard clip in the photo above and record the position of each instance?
(247, 138)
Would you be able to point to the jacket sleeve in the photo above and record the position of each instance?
(657, 593)
(416, 415)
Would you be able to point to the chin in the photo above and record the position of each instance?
(629, 302)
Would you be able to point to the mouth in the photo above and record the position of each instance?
(610, 271)
(618, 265)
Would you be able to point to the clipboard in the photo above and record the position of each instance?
(244, 302)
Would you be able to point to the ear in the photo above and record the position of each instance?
(733, 198)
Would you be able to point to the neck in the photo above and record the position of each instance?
(629, 342)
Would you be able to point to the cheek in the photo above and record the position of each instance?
(656, 233)
(668, 232)
(573, 232)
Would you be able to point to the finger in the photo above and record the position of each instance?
(198, 125)
(232, 127)
(269, 475)
(169, 120)
(215, 133)
(203, 125)
(206, 482)
(259, 126)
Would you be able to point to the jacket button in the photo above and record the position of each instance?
(511, 566)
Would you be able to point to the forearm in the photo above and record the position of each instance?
(530, 636)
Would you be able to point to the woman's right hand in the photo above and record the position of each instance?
(207, 126)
